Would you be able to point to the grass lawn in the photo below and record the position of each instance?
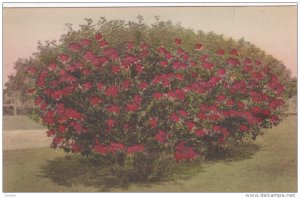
(268, 165)
(19, 123)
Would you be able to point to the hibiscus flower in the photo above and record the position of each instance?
(112, 91)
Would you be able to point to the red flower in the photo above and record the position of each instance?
(247, 61)
(243, 128)
(115, 69)
(179, 76)
(50, 133)
(158, 95)
(221, 72)
(57, 140)
(184, 153)
(220, 98)
(193, 63)
(230, 102)
(78, 127)
(180, 51)
(214, 80)
(103, 43)
(85, 42)
(139, 68)
(135, 148)
(178, 94)
(162, 50)
(166, 83)
(221, 140)
(257, 62)
(241, 105)
(266, 112)
(256, 109)
(183, 113)
(247, 68)
(75, 148)
(153, 122)
(200, 132)
(111, 123)
(100, 86)
(112, 53)
(234, 52)
(89, 56)
(274, 118)
(62, 128)
(128, 60)
(38, 100)
(216, 128)
(44, 106)
(202, 116)
(101, 149)
(204, 57)
(64, 57)
(174, 117)
(177, 65)
(186, 57)
(198, 46)
(161, 136)
(48, 92)
(48, 118)
(75, 47)
(112, 91)
(144, 53)
(126, 83)
(214, 117)
(156, 79)
(130, 45)
(208, 65)
(113, 109)
(177, 41)
(164, 63)
(144, 46)
(137, 99)
(117, 146)
(52, 66)
(31, 70)
(220, 52)
(99, 61)
(86, 72)
(190, 125)
(132, 107)
(233, 61)
(98, 36)
(95, 100)
(73, 114)
(87, 86)
(143, 85)
(168, 56)
(274, 103)
(257, 76)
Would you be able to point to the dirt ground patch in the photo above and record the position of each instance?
(23, 139)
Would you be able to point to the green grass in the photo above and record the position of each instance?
(19, 123)
(268, 165)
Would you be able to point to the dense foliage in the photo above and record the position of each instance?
(95, 98)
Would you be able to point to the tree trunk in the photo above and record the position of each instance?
(15, 109)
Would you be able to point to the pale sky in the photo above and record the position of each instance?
(273, 29)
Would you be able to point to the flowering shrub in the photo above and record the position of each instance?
(94, 98)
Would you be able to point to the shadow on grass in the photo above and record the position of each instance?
(236, 153)
(76, 170)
